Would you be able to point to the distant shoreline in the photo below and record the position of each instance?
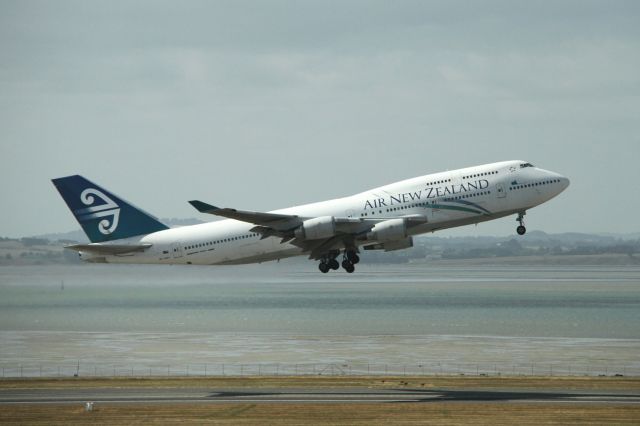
(57, 258)
(560, 260)
(535, 248)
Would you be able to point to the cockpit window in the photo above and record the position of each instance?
(523, 165)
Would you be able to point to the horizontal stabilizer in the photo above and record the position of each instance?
(110, 249)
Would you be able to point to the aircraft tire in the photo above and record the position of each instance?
(521, 230)
(333, 264)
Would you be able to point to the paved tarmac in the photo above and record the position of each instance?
(304, 395)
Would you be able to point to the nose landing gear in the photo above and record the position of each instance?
(521, 230)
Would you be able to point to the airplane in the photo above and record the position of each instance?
(384, 218)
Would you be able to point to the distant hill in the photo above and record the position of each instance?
(79, 236)
(534, 243)
(571, 246)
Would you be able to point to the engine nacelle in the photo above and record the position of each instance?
(317, 228)
(392, 245)
(92, 257)
(389, 230)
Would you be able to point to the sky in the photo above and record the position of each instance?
(260, 105)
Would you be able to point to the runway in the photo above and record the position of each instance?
(304, 395)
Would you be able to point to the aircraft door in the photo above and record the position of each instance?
(176, 250)
(500, 191)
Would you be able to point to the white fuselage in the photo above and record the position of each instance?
(445, 200)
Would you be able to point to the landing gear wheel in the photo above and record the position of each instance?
(324, 268)
(521, 230)
(348, 266)
(333, 264)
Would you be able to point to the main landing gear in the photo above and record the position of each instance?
(329, 262)
(349, 259)
(521, 230)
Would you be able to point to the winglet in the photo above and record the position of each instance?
(203, 207)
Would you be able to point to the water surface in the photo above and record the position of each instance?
(289, 313)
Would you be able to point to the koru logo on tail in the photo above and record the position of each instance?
(107, 209)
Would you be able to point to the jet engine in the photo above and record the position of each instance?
(389, 230)
(91, 257)
(317, 228)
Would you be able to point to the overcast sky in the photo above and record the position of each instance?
(266, 104)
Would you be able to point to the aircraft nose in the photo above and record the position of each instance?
(564, 181)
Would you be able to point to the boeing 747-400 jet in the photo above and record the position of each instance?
(384, 218)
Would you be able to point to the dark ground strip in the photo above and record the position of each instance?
(306, 395)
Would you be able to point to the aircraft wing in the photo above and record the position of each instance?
(110, 249)
(283, 226)
(347, 229)
(278, 222)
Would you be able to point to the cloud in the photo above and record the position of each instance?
(341, 96)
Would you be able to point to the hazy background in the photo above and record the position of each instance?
(260, 105)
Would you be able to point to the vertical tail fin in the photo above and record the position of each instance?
(103, 215)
